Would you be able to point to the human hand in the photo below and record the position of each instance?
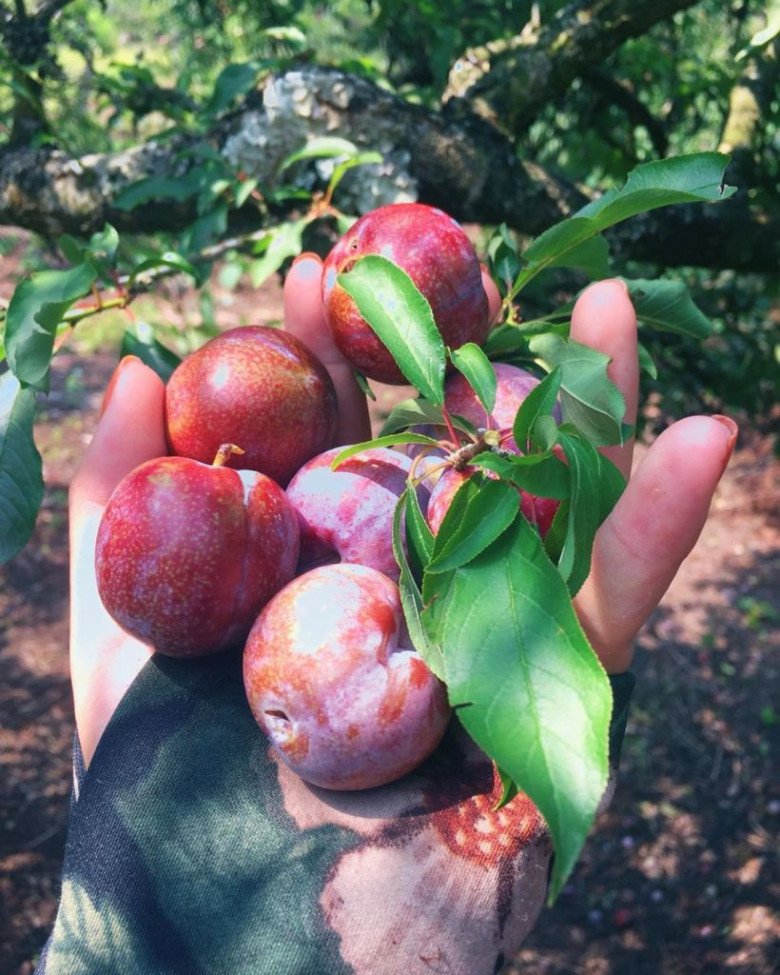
(421, 875)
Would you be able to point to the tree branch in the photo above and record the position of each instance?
(464, 166)
(749, 111)
(49, 9)
(509, 82)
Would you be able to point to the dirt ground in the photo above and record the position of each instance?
(680, 876)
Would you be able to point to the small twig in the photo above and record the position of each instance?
(43, 837)
(461, 457)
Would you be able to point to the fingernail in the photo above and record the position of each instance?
(308, 264)
(604, 289)
(111, 388)
(733, 430)
(730, 425)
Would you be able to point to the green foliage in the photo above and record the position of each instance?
(570, 243)
(736, 367)
(21, 480)
(423, 38)
(488, 603)
(402, 319)
(525, 683)
(472, 363)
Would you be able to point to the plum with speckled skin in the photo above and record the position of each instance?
(512, 386)
(436, 254)
(346, 514)
(259, 388)
(333, 680)
(188, 554)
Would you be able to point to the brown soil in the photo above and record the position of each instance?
(679, 877)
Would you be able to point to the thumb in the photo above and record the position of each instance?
(131, 430)
(103, 660)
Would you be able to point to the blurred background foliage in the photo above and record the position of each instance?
(114, 74)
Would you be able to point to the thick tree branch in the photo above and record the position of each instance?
(749, 111)
(509, 82)
(49, 9)
(465, 166)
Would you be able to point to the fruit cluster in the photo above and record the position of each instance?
(248, 533)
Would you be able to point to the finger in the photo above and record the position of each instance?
(651, 530)
(604, 318)
(492, 293)
(103, 661)
(304, 317)
(131, 430)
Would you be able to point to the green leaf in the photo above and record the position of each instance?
(538, 403)
(287, 34)
(419, 537)
(591, 256)
(542, 475)
(362, 159)
(205, 229)
(285, 242)
(21, 478)
(510, 343)
(481, 510)
(411, 598)
(242, 190)
(322, 147)
(525, 683)
(232, 81)
(472, 363)
(141, 341)
(34, 312)
(544, 435)
(155, 188)
(685, 179)
(391, 440)
(413, 412)
(364, 385)
(594, 491)
(506, 342)
(390, 303)
(589, 398)
(72, 248)
(104, 243)
(508, 789)
(646, 362)
(763, 37)
(612, 485)
(503, 257)
(555, 538)
(101, 248)
(668, 306)
(167, 259)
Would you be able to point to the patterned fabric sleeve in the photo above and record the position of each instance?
(191, 852)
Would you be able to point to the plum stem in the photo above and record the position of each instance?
(448, 423)
(225, 452)
(423, 455)
(430, 472)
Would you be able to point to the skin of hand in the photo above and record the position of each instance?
(637, 551)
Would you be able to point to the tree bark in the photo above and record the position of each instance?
(509, 82)
(463, 165)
